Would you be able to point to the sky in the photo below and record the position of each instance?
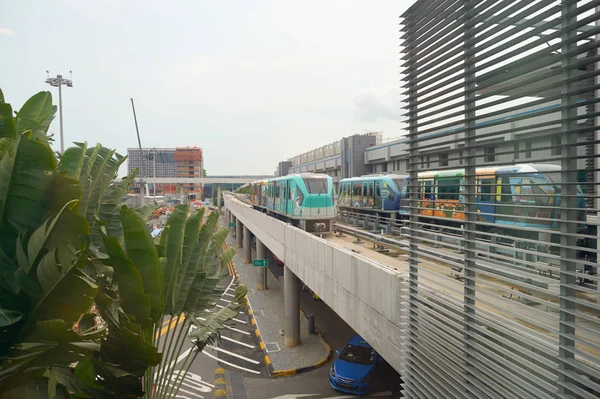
(250, 82)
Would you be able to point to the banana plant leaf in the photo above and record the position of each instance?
(208, 331)
(29, 191)
(142, 251)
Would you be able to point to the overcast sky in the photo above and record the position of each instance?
(251, 82)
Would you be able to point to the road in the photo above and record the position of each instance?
(236, 351)
(315, 384)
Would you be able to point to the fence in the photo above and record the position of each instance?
(524, 324)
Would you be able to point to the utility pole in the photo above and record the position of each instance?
(59, 81)
(141, 151)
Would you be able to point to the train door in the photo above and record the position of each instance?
(370, 195)
(505, 205)
(428, 197)
(356, 194)
(485, 199)
(277, 202)
(378, 199)
(288, 198)
(405, 196)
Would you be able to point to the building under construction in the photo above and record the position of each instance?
(167, 162)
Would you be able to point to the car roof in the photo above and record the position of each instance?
(357, 340)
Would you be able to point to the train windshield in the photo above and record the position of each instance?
(557, 180)
(316, 185)
(399, 183)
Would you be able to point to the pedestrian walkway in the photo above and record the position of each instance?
(268, 310)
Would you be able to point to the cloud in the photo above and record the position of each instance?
(6, 31)
(372, 105)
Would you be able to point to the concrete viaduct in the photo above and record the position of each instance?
(369, 296)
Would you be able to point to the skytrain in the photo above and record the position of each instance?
(523, 195)
(305, 200)
(373, 192)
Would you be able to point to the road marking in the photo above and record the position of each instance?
(175, 321)
(237, 330)
(225, 300)
(238, 342)
(221, 306)
(225, 293)
(231, 364)
(235, 355)
(229, 328)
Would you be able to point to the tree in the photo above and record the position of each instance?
(71, 250)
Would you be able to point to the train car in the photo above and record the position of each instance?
(523, 195)
(259, 193)
(305, 200)
(375, 192)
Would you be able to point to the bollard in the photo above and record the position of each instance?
(310, 322)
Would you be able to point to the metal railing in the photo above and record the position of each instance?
(489, 83)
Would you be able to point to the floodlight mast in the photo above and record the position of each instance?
(59, 81)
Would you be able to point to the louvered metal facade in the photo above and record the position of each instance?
(507, 306)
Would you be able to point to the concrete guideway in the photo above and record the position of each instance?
(265, 310)
(369, 296)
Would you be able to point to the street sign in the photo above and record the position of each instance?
(260, 263)
(232, 224)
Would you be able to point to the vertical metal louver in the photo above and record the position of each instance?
(504, 294)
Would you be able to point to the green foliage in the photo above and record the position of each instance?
(247, 189)
(83, 286)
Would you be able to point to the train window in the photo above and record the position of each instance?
(377, 189)
(357, 189)
(428, 184)
(485, 190)
(370, 189)
(504, 189)
(316, 185)
(398, 183)
(364, 190)
(448, 189)
(289, 193)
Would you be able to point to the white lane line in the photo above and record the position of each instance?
(235, 355)
(232, 289)
(231, 364)
(234, 319)
(225, 300)
(227, 327)
(238, 342)
(195, 381)
(225, 293)
(221, 306)
(236, 330)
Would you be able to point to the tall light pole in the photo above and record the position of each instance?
(59, 81)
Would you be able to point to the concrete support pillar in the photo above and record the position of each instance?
(261, 272)
(238, 232)
(291, 292)
(218, 198)
(247, 249)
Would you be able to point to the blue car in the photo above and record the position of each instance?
(354, 369)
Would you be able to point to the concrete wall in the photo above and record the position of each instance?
(369, 296)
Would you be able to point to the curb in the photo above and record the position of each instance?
(263, 347)
(287, 372)
(220, 383)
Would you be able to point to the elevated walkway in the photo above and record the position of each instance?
(368, 295)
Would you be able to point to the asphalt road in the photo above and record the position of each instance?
(237, 351)
(315, 384)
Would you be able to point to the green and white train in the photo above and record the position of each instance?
(305, 200)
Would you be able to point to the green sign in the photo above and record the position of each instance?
(232, 224)
(260, 263)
